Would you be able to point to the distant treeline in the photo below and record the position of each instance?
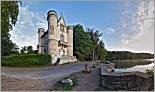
(122, 55)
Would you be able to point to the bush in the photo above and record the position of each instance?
(64, 86)
(26, 60)
(151, 72)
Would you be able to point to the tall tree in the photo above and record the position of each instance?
(86, 43)
(81, 41)
(94, 36)
(9, 16)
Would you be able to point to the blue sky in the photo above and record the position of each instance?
(124, 24)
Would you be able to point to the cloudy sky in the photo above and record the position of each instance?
(126, 25)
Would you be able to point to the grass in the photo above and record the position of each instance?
(65, 86)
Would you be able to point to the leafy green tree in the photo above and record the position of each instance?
(86, 43)
(81, 41)
(29, 49)
(9, 16)
(94, 36)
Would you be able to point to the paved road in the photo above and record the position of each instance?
(48, 72)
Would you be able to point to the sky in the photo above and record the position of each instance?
(126, 25)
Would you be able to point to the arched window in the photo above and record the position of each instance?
(62, 37)
(61, 27)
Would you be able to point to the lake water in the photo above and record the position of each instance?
(133, 65)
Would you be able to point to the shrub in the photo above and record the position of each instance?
(151, 72)
(65, 86)
(26, 60)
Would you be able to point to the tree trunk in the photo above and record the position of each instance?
(83, 57)
(93, 55)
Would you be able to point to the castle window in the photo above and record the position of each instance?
(62, 37)
(61, 27)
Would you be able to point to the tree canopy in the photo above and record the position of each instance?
(86, 44)
(123, 55)
(9, 16)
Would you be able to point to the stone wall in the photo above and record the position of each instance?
(131, 81)
(67, 59)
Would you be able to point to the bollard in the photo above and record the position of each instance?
(86, 67)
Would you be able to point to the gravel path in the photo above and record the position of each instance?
(25, 84)
(36, 79)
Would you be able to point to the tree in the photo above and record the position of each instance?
(81, 41)
(94, 36)
(15, 49)
(102, 51)
(29, 49)
(86, 43)
(122, 55)
(9, 16)
(24, 50)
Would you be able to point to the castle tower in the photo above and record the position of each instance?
(70, 41)
(52, 32)
(41, 31)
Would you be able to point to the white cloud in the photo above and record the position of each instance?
(25, 32)
(125, 41)
(124, 35)
(138, 27)
(110, 30)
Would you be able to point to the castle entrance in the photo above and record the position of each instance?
(61, 52)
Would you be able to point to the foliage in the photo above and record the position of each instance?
(122, 55)
(94, 36)
(35, 51)
(24, 50)
(85, 43)
(26, 60)
(9, 16)
(29, 49)
(81, 42)
(151, 72)
(102, 51)
(64, 86)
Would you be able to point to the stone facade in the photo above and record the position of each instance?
(57, 40)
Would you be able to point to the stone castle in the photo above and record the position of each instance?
(57, 40)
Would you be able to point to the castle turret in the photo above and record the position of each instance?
(41, 31)
(70, 41)
(52, 32)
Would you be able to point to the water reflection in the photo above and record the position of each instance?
(140, 68)
(133, 65)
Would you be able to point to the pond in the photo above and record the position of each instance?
(133, 65)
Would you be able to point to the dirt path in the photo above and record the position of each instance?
(87, 82)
